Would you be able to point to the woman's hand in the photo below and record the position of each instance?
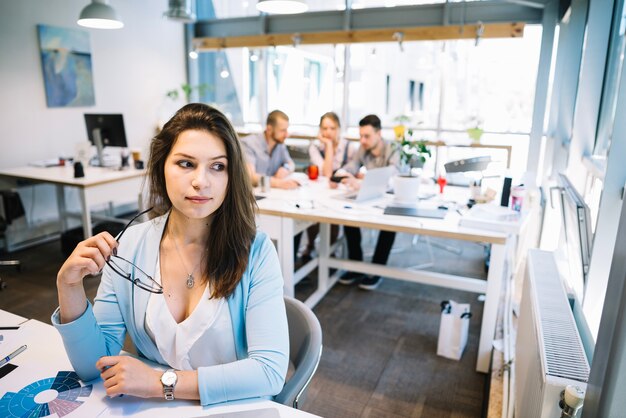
(88, 257)
(328, 142)
(124, 375)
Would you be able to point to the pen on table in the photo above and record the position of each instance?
(12, 355)
(459, 212)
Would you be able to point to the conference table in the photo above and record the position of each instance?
(100, 185)
(283, 213)
(44, 383)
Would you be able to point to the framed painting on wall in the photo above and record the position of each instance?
(66, 65)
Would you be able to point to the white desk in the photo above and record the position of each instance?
(45, 357)
(100, 185)
(281, 218)
(7, 319)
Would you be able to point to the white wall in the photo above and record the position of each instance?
(132, 68)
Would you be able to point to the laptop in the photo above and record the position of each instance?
(373, 186)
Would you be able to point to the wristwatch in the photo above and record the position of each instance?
(168, 380)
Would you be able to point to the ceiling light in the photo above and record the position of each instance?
(99, 15)
(283, 7)
(180, 10)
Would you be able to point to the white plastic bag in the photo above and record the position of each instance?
(453, 329)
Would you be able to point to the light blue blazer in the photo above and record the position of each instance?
(257, 311)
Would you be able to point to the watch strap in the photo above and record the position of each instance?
(168, 390)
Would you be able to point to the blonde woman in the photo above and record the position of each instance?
(329, 153)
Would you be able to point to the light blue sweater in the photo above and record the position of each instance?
(256, 308)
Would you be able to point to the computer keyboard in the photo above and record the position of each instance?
(413, 211)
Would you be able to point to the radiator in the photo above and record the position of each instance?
(549, 354)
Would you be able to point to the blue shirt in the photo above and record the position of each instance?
(258, 154)
(257, 310)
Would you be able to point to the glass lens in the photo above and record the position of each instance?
(134, 274)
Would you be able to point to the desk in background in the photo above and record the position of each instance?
(45, 357)
(100, 185)
(285, 212)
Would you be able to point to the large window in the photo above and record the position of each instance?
(301, 82)
(443, 87)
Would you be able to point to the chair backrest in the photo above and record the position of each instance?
(468, 164)
(305, 350)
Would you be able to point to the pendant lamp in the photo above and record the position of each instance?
(99, 15)
(284, 7)
(180, 10)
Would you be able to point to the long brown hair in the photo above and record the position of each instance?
(233, 225)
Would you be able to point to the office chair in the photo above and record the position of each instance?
(10, 208)
(305, 351)
(15, 263)
(466, 165)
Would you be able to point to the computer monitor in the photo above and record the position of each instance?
(105, 130)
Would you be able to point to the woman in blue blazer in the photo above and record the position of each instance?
(197, 288)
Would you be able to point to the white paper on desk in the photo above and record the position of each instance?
(35, 389)
(301, 178)
(491, 217)
(493, 213)
(8, 341)
(43, 382)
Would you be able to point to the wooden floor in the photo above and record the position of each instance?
(379, 357)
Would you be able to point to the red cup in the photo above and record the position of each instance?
(313, 171)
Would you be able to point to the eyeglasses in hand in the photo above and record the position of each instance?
(129, 270)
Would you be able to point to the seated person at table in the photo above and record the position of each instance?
(329, 154)
(374, 152)
(198, 288)
(267, 154)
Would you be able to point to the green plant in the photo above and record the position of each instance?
(187, 89)
(402, 119)
(475, 133)
(410, 149)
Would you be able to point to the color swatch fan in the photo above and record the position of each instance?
(53, 395)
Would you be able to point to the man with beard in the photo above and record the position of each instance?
(374, 152)
(267, 154)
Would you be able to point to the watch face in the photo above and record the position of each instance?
(168, 378)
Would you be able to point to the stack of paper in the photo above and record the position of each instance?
(492, 217)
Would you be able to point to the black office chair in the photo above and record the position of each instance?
(14, 263)
(11, 208)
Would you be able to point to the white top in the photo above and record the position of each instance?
(339, 157)
(204, 338)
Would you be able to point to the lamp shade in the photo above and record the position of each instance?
(100, 15)
(284, 7)
(180, 10)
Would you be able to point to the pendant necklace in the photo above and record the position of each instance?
(190, 279)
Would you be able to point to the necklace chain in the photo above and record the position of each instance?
(190, 279)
